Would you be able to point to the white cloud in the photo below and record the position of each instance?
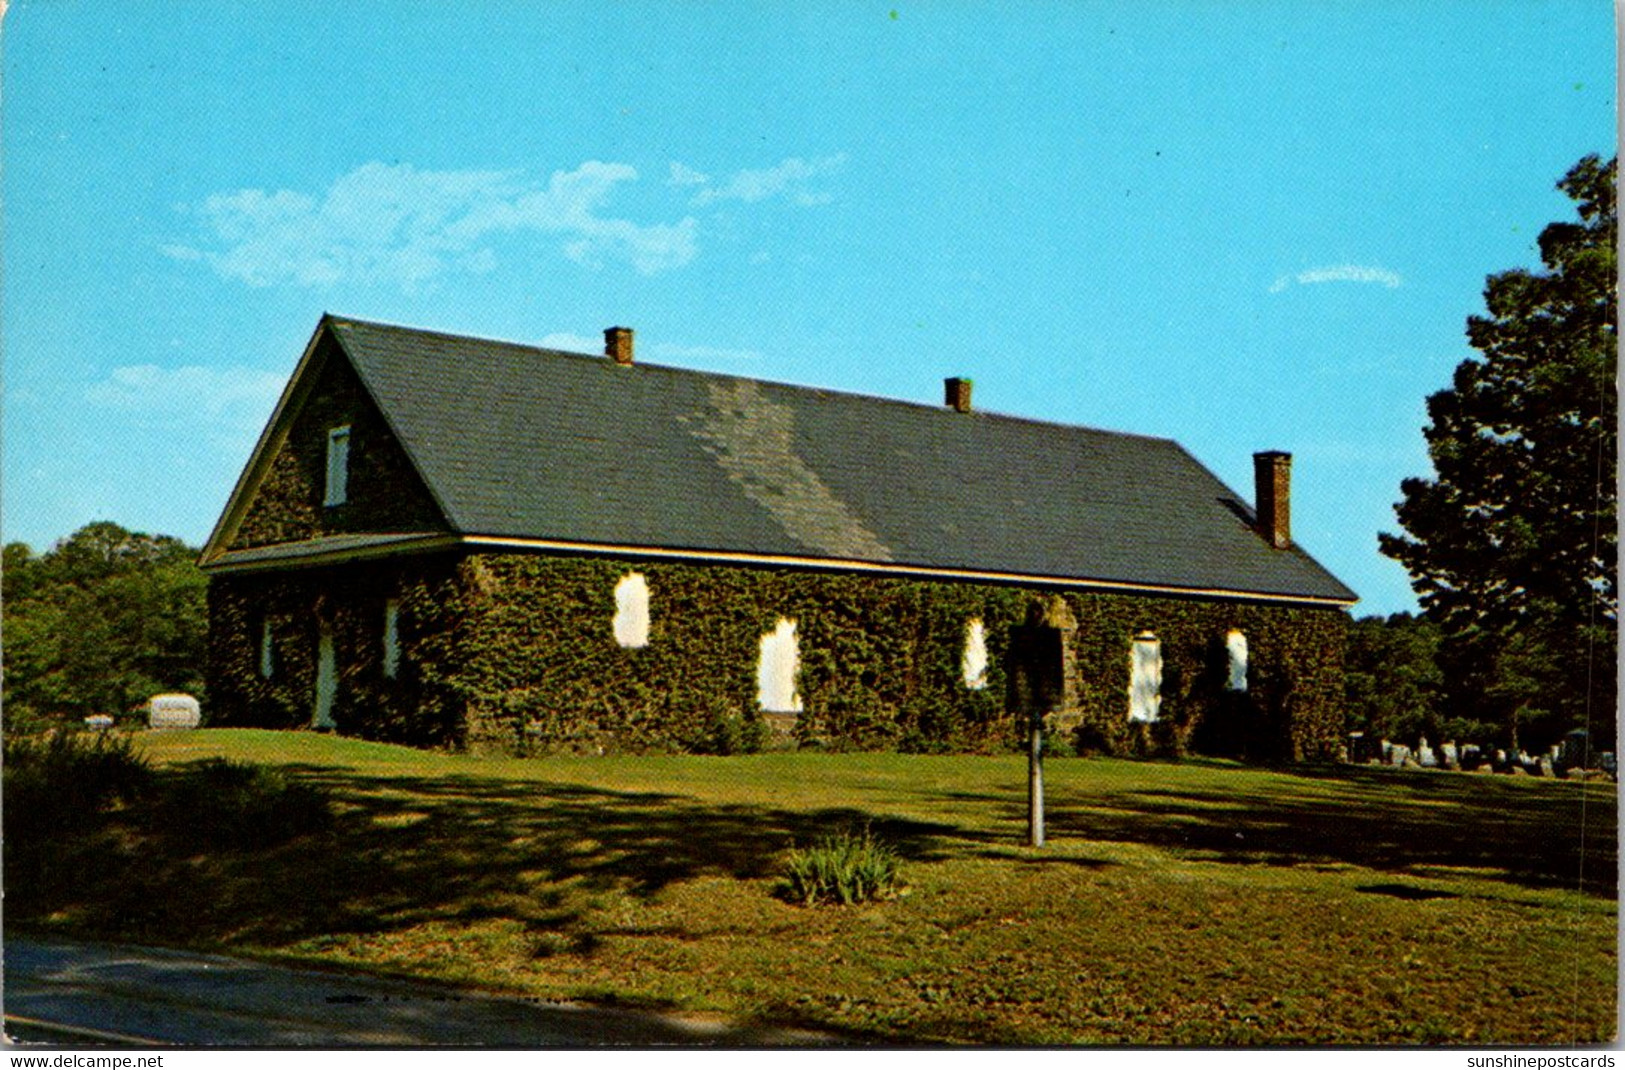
(686, 176)
(1339, 273)
(702, 353)
(394, 223)
(224, 406)
(788, 179)
(188, 391)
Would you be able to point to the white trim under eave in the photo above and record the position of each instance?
(736, 557)
(337, 555)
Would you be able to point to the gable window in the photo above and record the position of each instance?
(338, 466)
(1145, 678)
(1235, 648)
(777, 668)
(973, 664)
(392, 638)
(632, 611)
(267, 655)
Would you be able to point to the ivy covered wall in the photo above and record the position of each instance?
(385, 492)
(517, 651)
(421, 705)
(1291, 708)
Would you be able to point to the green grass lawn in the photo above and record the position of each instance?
(1177, 903)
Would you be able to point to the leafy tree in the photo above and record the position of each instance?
(101, 621)
(1391, 678)
(1512, 546)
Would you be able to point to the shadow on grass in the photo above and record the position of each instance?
(1406, 891)
(406, 850)
(1557, 835)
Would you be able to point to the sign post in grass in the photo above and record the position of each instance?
(1037, 686)
(1035, 783)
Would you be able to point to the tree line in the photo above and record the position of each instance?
(99, 623)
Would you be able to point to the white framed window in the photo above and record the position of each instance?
(327, 679)
(392, 637)
(1145, 677)
(267, 650)
(632, 611)
(338, 466)
(973, 664)
(777, 668)
(1235, 648)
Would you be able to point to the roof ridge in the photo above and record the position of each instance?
(801, 474)
(348, 321)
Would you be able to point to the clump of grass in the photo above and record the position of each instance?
(61, 789)
(235, 804)
(60, 780)
(845, 868)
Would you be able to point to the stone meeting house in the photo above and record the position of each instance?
(451, 541)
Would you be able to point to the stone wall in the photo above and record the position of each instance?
(518, 651)
(385, 493)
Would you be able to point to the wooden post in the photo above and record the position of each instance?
(1037, 651)
(1035, 783)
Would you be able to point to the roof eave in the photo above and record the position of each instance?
(270, 440)
(319, 555)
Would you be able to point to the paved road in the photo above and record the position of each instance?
(77, 994)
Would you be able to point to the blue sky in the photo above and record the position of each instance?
(1243, 226)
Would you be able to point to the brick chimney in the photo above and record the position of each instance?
(956, 394)
(618, 344)
(1272, 498)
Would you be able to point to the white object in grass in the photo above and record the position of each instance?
(173, 711)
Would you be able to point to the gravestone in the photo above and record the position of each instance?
(1575, 750)
(1365, 747)
(173, 711)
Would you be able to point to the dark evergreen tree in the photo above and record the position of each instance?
(1512, 546)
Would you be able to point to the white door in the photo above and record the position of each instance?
(327, 679)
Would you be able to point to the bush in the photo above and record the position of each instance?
(239, 805)
(60, 788)
(728, 731)
(61, 779)
(845, 869)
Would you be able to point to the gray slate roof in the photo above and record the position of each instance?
(521, 442)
